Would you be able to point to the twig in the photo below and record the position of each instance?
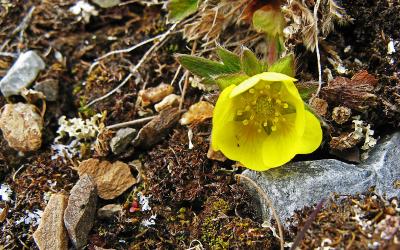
(20, 28)
(131, 123)
(307, 225)
(14, 55)
(185, 85)
(127, 50)
(269, 202)
(176, 74)
(137, 66)
(316, 7)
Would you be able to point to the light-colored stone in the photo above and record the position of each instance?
(198, 112)
(299, 184)
(169, 101)
(22, 126)
(112, 179)
(106, 3)
(122, 139)
(22, 73)
(156, 94)
(51, 233)
(80, 212)
(109, 211)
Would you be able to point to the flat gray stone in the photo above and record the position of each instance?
(49, 88)
(22, 73)
(122, 139)
(299, 184)
(80, 211)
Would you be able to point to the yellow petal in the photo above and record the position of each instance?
(312, 136)
(265, 76)
(240, 143)
(222, 112)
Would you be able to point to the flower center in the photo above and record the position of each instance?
(263, 109)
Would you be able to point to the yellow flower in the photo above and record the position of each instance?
(262, 123)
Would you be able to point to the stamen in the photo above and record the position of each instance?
(251, 91)
(239, 112)
(265, 124)
(245, 122)
(276, 119)
(278, 101)
(285, 105)
(267, 86)
(259, 130)
(247, 108)
(273, 128)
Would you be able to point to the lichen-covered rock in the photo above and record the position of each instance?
(112, 179)
(22, 73)
(299, 184)
(22, 126)
(51, 233)
(81, 209)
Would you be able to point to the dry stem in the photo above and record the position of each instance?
(137, 66)
(269, 202)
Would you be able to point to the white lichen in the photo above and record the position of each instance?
(76, 130)
(5, 192)
(390, 47)
(30, 218)
(362, 131)
(150, 221)
(144, 201)
(83, 10)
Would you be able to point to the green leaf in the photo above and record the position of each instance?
(203, 67)
(284, 65)
(180, 9)
(227, 80)
(306, 90)
(270, 21)
(249, 63)
(230, 59)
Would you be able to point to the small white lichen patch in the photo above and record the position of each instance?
(150, 221)
(390, 47)
(84, 11)
(77, 131)
(5, 192)
(364, 131)
(144, 201)
(30, 218)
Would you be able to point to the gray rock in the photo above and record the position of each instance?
(122, 139)
(49, 88)
(22, 73)
(80, 212)
(106, 3)
(299, 184)
(51, 233)
(109, 211)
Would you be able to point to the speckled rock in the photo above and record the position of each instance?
(112, 179)
(22, 126)
(122, 139)
(300, 184)
(51, 233)
(22, 73)
(80, 212)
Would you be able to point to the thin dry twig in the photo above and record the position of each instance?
(131, 123)
(316, 7)
(137, 66)
(186, 78)
(307, 225)
(269, 202)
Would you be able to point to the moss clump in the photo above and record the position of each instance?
(221, 230)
